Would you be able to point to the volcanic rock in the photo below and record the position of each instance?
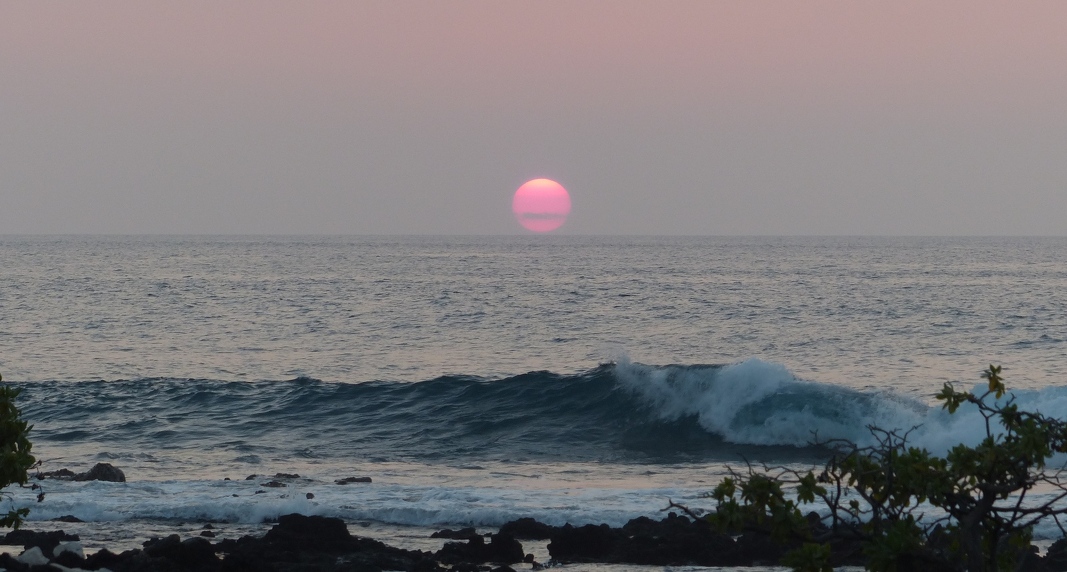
(1056, 556)
(46, 541)
(673, 541)
(502, 549)
(102, 472)
(69, 559)
(60, 474)
(33, 557)
(527, 529)
(461, 534)
(348, 480)
(71, 546)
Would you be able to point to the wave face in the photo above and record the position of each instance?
(616, 412)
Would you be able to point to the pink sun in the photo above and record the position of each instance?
(541, 205)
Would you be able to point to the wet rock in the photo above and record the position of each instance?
(196, 553)
(679, 541)
(502, 549)
(309, 532)
(309, 496)
(589, 543)
(102, 472)
(33, 557)
(192, 553)
(759, 549)
(349, 480)
(69, 560)
(673, 541)
(8, 562)
(207, 534)
(103, 558)
(60, 474)
(461, 534)
(300, 542)
(272, 484)
(67, 518)
(527, 529)
(296, 544)
(160, 547)
(250, 477)
(286, 476)
(1030, 560)
(46, 541)
(1056, 556)
(71, 546)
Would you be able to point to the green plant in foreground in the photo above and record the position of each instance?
(878, 495)
(15, 458)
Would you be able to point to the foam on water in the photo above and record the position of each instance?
(601, 446)
(417, 496)
(755, 402)
(481, 500)
(760, 403)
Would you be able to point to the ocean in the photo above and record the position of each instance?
(478, 380)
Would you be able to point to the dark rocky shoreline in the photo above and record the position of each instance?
(300, 543)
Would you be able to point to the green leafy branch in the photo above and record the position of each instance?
(880, 495)
(15, 457)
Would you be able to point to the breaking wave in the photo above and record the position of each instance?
(615, 412)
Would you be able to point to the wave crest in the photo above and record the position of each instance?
(621, 411)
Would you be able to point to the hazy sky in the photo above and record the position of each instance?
(423, 117)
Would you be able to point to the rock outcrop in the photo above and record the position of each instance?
(502, 549)
(99, 472)
(673, 541)
(296, 544)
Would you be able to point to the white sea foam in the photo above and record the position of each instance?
(394, 503)
(755, 402)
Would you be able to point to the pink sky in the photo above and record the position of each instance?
(629, 52)
(658, 114)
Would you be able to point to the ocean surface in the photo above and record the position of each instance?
(482, 379)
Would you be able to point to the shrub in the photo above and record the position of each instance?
(15, 458)
(880, 495)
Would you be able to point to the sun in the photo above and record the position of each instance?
(541, 205)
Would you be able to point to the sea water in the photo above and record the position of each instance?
(481, 379)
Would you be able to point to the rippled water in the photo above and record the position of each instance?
(903, 313)
(481, 379)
